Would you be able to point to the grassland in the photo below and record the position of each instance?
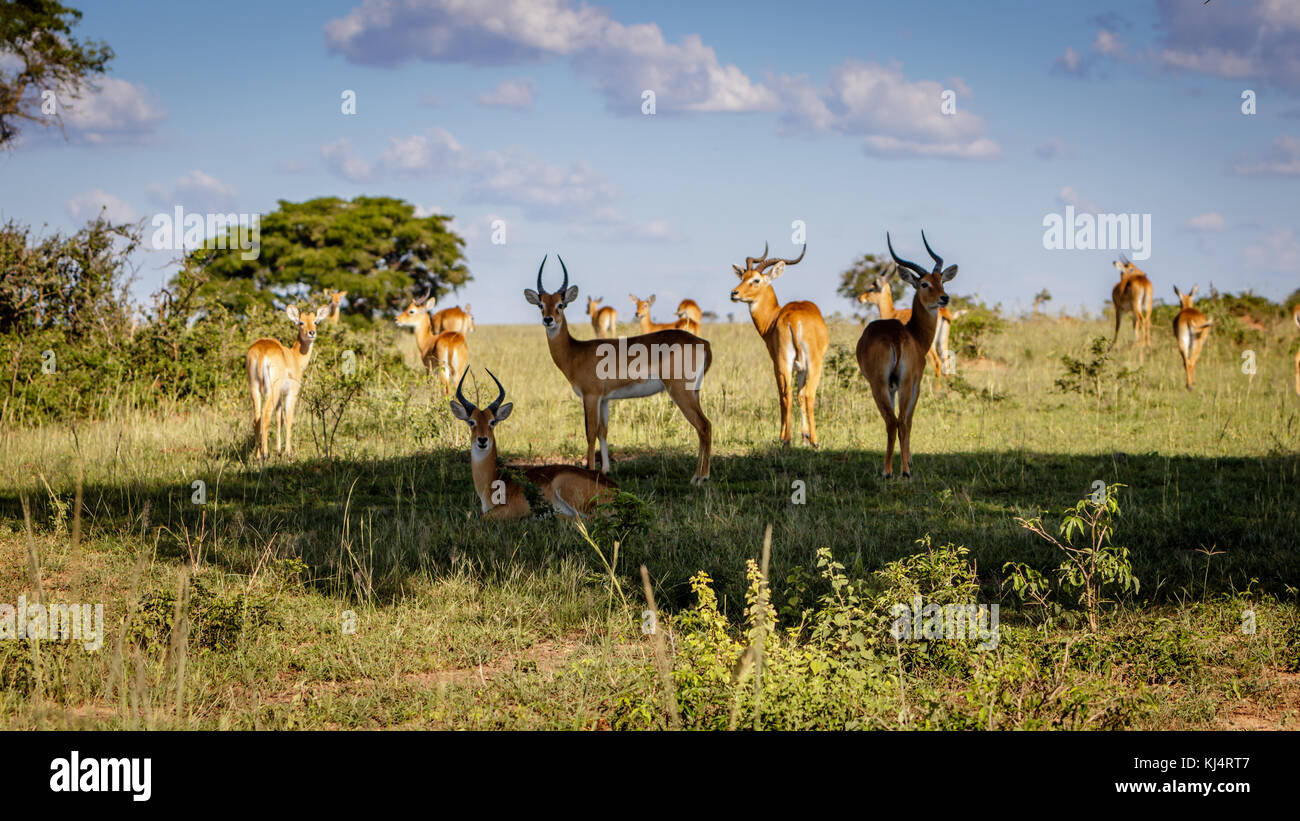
(462, 624)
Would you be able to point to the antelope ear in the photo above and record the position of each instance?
(633, 297)
(503, 411)
(1195, 288)
(1177, 292)
(458, 411)
(740, 272)
(908, 277)
(776, 271)
(651, 300)
(949, 273)
(292, 312)
(531, 296)
(322, 312)
(571, 294)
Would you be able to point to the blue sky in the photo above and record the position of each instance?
(530, 112)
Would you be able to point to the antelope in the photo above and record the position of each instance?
(603, 320)
(683, 361)
(1133, 294)
(1295, 317)
(795, 335)
(879, 293)
(687, 309)
(892, 355)
(571, 491)
(454, 318)
(446, 352)
(647, 324)
(275, 375)
(1191, 329)
(335, 297)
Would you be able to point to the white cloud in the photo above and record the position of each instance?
(196, 191)
(423, 155)
(1071, 62)
(117, 113)
(1209, 221)
(1069, 195)
(517, 94)
(343, 161)
(88, 206)
(1108, 43)
(1283, 160)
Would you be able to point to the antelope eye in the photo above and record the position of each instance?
(925, 285)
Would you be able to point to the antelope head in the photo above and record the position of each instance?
(642, 305)
(410, 318)
(1186, 299)
(552, 305)
(758, 273)
(593, 305)
(481, 421)
(928, 284)
(306, 323)
(1125, 267)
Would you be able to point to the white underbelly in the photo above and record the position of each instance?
(637, 389)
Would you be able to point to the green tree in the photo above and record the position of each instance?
(39, 34)
(375, 248)
(862, 273)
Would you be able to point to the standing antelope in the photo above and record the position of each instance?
(572, 491)
(275, 375)
(648, 324)
(1133, 294)
(335, 297)
(445, 352)
(1191, 329)
(454, 318)
(892, 355)
(795, 335)
(603, 320)
(678, 362)
(689, 310)
(879, 293)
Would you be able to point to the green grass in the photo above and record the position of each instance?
(467, 624)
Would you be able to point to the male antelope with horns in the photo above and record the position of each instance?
(572, 491)
(600, 370)
(795, 335)
(892, 355)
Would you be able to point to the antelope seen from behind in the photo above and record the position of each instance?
(604, 319)
(689, 311)
(275, 375)
(600, 370)
(892, 355)
(571, 491)
(455, 318)
(447, 353)
(1191, 329)
(795, 335)
(1132, 294)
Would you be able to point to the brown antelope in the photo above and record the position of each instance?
(647, 324)
(881, 295)
(600, 370)
(454, 318)
(275, 375)
(603, 320)
(571, 491)
(892, 355)
(335, 298)
(795, 335)
(688, 309)
(1191, 329)
(1295, 317)
(1132, 294)
(446, 352)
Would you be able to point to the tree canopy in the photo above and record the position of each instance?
(375, 248)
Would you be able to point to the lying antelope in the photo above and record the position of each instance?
(454, 318)
(275, 375)
(596, 372)
(571, 491)
(892, 355)
(647, 324)
(446, 352)
(688, 310)
(795, 335)
(881, 295)
(1132, 294)
(603, 319)
(335, 298)
(1191, 329)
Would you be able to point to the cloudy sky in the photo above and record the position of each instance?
(765, 114)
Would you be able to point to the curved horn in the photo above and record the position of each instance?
(564, 268)
(501, 393)
(460, 397)
(427, 293)
(902, 263)
(751, 261)
(938, 260)
(768, 263)
(540, 289)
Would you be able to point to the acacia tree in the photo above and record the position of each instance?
(36, 36)
(375, 248)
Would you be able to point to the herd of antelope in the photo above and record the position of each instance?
(892, 354)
